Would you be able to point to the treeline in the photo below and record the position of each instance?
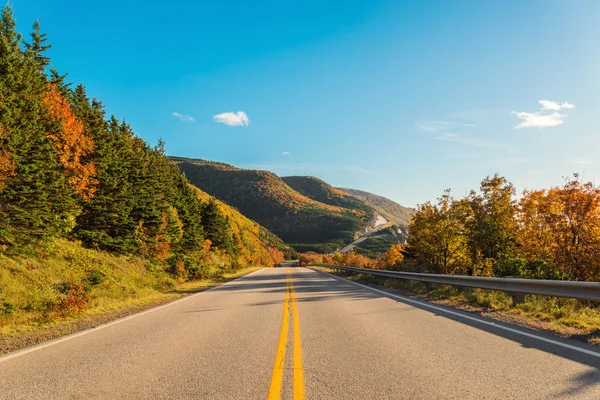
(546, 234)
(68, 171)
(391, 259)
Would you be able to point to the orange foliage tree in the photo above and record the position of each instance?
(394, 256)
(73, 143)
(7, 165)
(561, 227)
(276, 255)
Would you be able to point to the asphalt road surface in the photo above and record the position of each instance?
(294, 333)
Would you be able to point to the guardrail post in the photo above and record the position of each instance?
(517, 298)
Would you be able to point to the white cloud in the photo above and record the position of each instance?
(439, 126)
(554, 106)
(286, 153)
(183, 117)
(542, 119)
(539, 120)
(232, 119)
(472, 141)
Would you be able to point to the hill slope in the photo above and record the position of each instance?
(264, 197)
(319, 190)
(392, 211)
(252, 240)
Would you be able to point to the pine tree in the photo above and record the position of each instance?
(216, 226)
(106, 220)
(36, 202)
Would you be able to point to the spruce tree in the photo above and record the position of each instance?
(216, 226)
(36, 202)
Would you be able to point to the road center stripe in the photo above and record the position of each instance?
(278, 366)
(299, 393)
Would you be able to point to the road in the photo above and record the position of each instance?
(291, 332)
(380, 222)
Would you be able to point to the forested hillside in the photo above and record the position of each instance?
(305, 223)
(317, 189)
(390, 210)
(71, 176)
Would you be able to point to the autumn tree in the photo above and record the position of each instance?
(394, 256)
(73, 142)
(560, 229)
(493, 227)
(437, 237)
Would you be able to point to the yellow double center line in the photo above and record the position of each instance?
(289, 305)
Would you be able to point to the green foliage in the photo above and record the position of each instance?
(318, 190)
(216, 226)
(390, 210)
(35, 202)
(267, 199)
(114, 193)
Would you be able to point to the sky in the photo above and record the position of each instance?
(399, 98)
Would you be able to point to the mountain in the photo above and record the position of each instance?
(253, 241)
(390, 210)
(318, 190)
(303, 222)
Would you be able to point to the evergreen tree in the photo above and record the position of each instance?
(106, 220)
(36, 202)
(216, 226)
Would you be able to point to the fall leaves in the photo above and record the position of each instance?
(72, 142)
(561, 227)
(7, 165)
(548, 234)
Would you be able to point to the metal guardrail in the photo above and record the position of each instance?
(515, 287)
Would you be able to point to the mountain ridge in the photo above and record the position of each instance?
(304, 211)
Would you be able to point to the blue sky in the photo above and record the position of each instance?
(403, 99)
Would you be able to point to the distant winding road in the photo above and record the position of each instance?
(295, 333)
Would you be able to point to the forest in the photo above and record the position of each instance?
(544, 234)
(74, 181)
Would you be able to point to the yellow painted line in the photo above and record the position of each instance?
(277, 377)
(299, 392)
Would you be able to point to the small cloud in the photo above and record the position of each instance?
(542, 119)
(539, 120)
(554, 106)
(471, 141)
(183, 117)
(232, 119)
(286, 153)
(439, 126)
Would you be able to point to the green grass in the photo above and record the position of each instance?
(64, 282)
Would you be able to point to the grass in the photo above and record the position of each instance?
(565, 317)
(65, 283)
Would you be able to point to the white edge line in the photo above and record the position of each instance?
(465, 316)
(41, 346)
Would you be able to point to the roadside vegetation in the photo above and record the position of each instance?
(546, 234)
(92, 218)
(65, 281)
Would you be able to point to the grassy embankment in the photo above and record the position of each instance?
(66, 287)
(565, 317)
